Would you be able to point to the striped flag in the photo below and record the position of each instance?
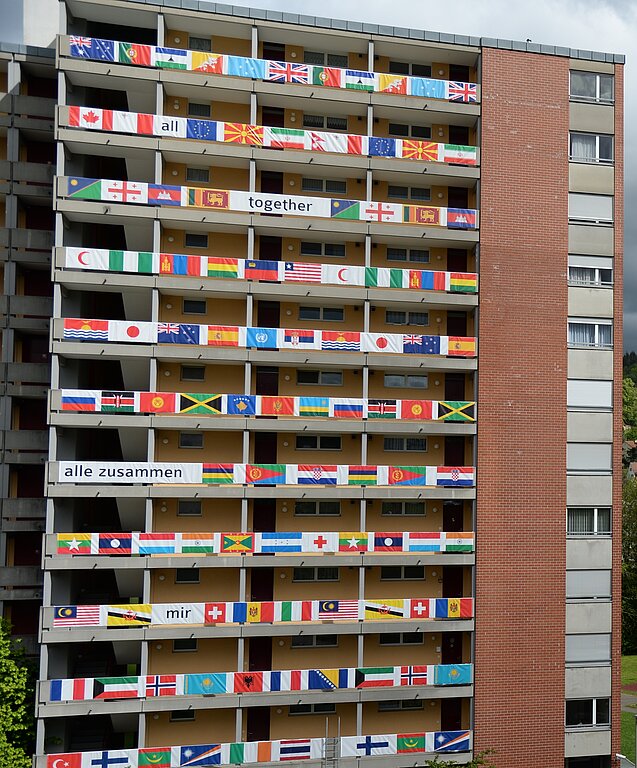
(296, 272)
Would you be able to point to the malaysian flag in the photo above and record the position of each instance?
(338, 609)
(76, 616)
(296, 272)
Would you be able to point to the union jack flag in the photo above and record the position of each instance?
(80, 41)
(168, 328)
(412, 340)
(463, 92)
(286, 72)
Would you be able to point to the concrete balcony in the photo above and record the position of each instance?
(21, 582)
(26, 312)
(29, 246)
(26, 440)
(33, 113)
(23, 515)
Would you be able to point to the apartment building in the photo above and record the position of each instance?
(335, 365)
(27, 167)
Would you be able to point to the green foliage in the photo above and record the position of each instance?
(630, 366)
(481, 760)
(629, 390)
(17, 726)
(629, 568)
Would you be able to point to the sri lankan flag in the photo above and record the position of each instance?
(237, 543)
(242, 133)
(218, 474)
(420, 150)
(195, 403)
(218, 267)
(456, 410)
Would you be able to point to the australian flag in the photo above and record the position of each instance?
(92, 48)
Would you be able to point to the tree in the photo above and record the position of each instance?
(16, 704)
(629, 567)
(481, 760)
(629, 397)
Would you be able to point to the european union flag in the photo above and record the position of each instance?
(241, 405)
(380, 147)
(203, 130)
(262, 338)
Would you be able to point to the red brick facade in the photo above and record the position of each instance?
(521, 445)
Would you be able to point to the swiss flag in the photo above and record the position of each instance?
(419, 609)
(215, 613)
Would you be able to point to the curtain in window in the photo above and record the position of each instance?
(582, 275)
(582, 334)
(605, 335)
(603, 520)
(583, 147)
(581, 521)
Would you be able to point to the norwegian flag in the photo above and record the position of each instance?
(286, 72)
(168, 328)
(463, 92)
(161, 685)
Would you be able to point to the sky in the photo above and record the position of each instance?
(599, 25)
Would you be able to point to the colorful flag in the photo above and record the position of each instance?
(461, 346)
(388, 542)
(459, 542)
(262, 338)
(455, 476)
(375, 677)
(85, 189)
(215, 613)
(76, 616)
(330, 77)
(427, 87)
(417, 675)
(94, 119)
(294, 749)
(341, 340)
(428, 280)
(71, 690)
(285, 138)
(338, 609)
(272, 405)
(133, 53)
(345, 209)
(178, 333)
(132, 615)
(165, 194)
(243, 66)
(265, 474)
(456, 410)
(392, 83)
(198, 543)
(314, 406)
(281, 542)
(313, 474)
(124, 191)
(218, 474)
(74, 543)
(206, 684)
(242, 133)
(384, 610)
(413, 343)
(208, 198)
(116, 688)
(410, 742)
(456, 153)
(196, 403)
(467, 92)
(201, 130)
(296, 272)
(461, 218)
(421, 214)
(156, 543)
(416, 409)
(420, 150)
(347, 409)
(78, 401)
(408, 475)
(65, 760)
(381, 409)
(204, 61)
(452, 741)
(247, 682)
(465, 282)
(92, 48)
(171, 58)
(360, 81)
(422, 609)
(151, 757)
(118, 402)
(218, 267)
(452, 674)
(115, 543)
(419, 541)
(161, 685)
(381, 147)
(86, 330)
(200, 754)
(223, 336)
(299, 338)
(237, 543)
(157, 402)
(241, 405)
(179, 264)
(352, 541)
(362, 474)
(286, 72)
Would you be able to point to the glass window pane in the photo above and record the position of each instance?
(580, 520)
(414, 572)
(201, 175)
(582, 334)
(313, 121)
(329, 507)
(198, 110)
(337, 60)
(311, 249)
(196, 241)
(394, 380)
(603, 520)
(583, 147)
(420, 193)
(313, 57)
(393, 443)
(582, 649)
(421, 70)
(418, 318)
(584, 85)
(336, 123)
(310, 313)
(327, 640)
(414, 507)
(335, 249)
(330, 442)
(395, 318)
(418, 255)
(606, 148)
(307, 377)
(199, 44)
(398, 67)
(334, 378)
(398, 129)
(397, 254)
(333, 313)
(312, 185)
(606, 87)
(581, 275)
(605, 335)
(416, 443)
(401, 192)
(588, 584)
(602, 711)
(417, 382)
(306, 442)
(304, 507)
(337, 187)
(579, 712)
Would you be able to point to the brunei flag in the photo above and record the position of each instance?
(133, 615)
(385, 610)
(218, 474)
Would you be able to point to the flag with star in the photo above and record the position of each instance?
(352, 541)
(74, 543)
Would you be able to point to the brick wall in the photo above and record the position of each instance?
(521, 445)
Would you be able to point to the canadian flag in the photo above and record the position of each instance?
(88, 117)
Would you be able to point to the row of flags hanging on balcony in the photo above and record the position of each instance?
(201, 404)
(267, 70)
(271, 612)
(154, 263)
(178, 473)
(219, 683)
(299, 339)
(263, 542)
(143, 193)
(143, 124)
(281, 750)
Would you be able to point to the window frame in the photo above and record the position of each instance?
(401, 705)
(195, 234)
(328, 59)
(319, 440)
(315, 572)
(427, 68)
(191, 311)
(403, 508)
(403, 573)
(401, 638)
(591, 220)
(324, 186)
(405, 377)
(316, 708)
(323, 249)
(181, 577)
(184, 640)
(182, 716)
(322, 310)
(302, 639)
(181, 513)
(186, 434)
(598, 264)
(594, 717)
(320, 376)
(409, 193)
(317, 507)
(325, 123)
(197, 170)
(596, 531)
(192, 368)
(597, 160)
(408, 255)
(205, 49)
(597, 99)
(206, 112)
(408, 318)
(405, 443)
(412, 131)
(597, 323)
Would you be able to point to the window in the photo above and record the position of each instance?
(187, 576)
(194, 307)
(405, 444)
(193, 373)
(326, 59)
(588, 649)
(591, 86)
(196, 109)
(407, 68)
(397, 706)
(200, 175)
(590, 270)
(185, 645)
(406, 318)
(327, 378)
(199, 43)
(331, 186)
(326, 314)
(191, 439)
(408, 254)
(315, 574)
(409, 193)
(409, 131)
(322, 122)
(588, 585)
(312, 709)
(590, 333)
(401, 638)
(182, 716)
(327, 508)
(315, 641)
(189, 508)
(588, 521)
(393, 508)
(588, 457)
(406, 381)
(586, 713)
(590, 209)
(318, 442)
(323, 249)
(195, 240)
(591, 148)
(402, 572)
(583, 393)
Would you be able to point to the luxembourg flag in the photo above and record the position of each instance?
(422, 542)
(156, 543)
(455, 476)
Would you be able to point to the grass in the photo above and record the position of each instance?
(628, 735)
(629, 670)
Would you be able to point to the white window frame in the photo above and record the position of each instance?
(597, 263)
(594, 723)
(575, 578)
(599, 217)
(595, 532)
(604, 640)
(580, 458)
(597, 158)
(596, 323)
(405, 442)
(597, 99)
(599, 396)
